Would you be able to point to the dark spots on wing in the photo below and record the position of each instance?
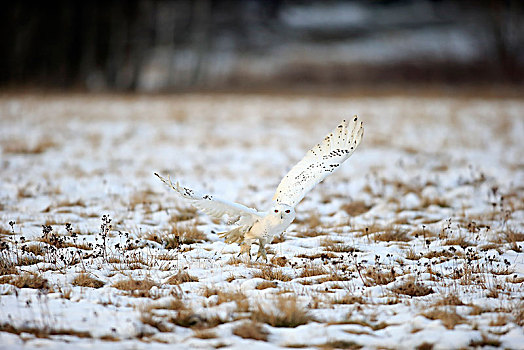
(208, 197)
(188, 192)
(335, 153)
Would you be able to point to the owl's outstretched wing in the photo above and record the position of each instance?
(319, 162)
(242, 215)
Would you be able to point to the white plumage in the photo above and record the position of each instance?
(252, 225)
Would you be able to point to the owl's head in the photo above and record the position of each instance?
(284, 211)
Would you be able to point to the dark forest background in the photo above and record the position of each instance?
(158, 45)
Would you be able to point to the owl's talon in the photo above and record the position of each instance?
(261, 253)
(245, 249)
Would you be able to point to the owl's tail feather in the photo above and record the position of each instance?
(236, 235)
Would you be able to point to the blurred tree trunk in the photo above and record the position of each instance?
(200, 38)
(504, 19)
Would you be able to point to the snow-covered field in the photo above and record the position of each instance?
(416, 242)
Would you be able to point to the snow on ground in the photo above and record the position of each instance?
(416, 242)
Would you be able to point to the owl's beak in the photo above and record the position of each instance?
(281, 217)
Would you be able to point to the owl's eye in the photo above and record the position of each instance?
(288, 211)
(276, 210)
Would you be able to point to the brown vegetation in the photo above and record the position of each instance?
(135, 287)
(449, 316)
(271, 274)
(28, 280)
(181, 277)
(251, 330)
(187, 234)
(412, 288)
(85, 280)
(355, 208)
(287, 313)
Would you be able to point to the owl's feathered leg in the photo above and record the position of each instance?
(245, 248)
(261, 249)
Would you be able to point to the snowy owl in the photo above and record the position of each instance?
(319, 162)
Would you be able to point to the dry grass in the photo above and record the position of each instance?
(460, 240)
(27, 280)
(266, 284)
(138, 288)
(271, 274)
(251, 330)
(369, 323)
(512, 236)
(235, 260)
(4, 230)
(184, 214)
(42, 331)
(323, 256)
(140, 198)
(519, 314)
(154, 321)
(442, 254)
(188, 318)
(311, 270)
(438, 201)
(182, 315)
(385, 233)
(36, 249)
(27, 260)
(178, 234)
(85, 280)
(425, 346)
(181, 277)
(240, 299)
(340, 344)
(21, 146)
(350, 299)
(392, 234)
(410, 254)
(279, 260)
(155, 237)
(187, 234)
(412, 288)
(287, 313)
(205, 334)
(355, 208)
(307, 233)
(7, 267)
(449, 316)
(485, 341)
(332, 277)
(210, 291)
(331, 245)
(341, 248)
(56, 240)
(499, 320)
(449, 299)
(311, 221)
(378, 276)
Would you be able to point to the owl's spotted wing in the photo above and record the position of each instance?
(319, 162)
(216, 207)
